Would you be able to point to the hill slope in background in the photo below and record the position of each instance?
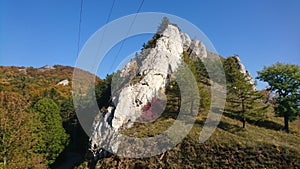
(40, 82)
(32, 85)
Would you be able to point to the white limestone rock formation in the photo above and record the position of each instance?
(130, 69)
(47, 67)
(243, 70)
(147, 76)
(197, 49)
(63, 82)
(154, 71)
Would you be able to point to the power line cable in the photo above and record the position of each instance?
(110, 12)
(80, 21)
(79, 27)
(130, 27)
(104, 30)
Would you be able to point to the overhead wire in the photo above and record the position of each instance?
(123, 41)
(107, 20)
(80, 22)
(104, 29)
(79, 27)
(110, 12)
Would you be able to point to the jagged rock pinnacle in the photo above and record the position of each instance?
(147, 77)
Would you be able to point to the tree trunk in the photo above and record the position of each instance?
(4, 162)
(286, 123)
(5, 151)
(243, 114)
(244, 123)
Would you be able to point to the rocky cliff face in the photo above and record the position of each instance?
(148, 81)
(145, 82)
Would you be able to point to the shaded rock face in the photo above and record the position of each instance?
(197, 49)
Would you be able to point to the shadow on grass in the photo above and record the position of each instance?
(264, 123)
(229, 127)
(221, 124)
(267, 124)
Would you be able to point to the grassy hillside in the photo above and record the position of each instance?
(230, 146)
(262, 144)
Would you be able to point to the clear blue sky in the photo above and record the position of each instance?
(39, 32)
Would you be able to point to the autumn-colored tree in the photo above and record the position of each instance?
(18, 136)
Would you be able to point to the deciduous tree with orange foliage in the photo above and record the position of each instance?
(18, 136)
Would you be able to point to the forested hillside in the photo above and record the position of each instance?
(38, 121)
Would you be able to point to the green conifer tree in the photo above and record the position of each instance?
(242, 100)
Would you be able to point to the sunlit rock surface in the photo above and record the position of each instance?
(141, 80)
(243, 70)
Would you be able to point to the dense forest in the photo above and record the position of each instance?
(38, 120)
